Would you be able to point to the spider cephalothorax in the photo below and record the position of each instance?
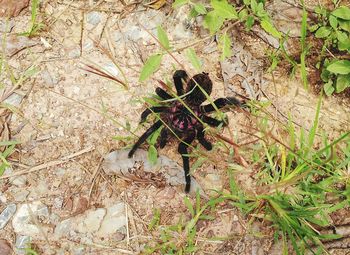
(185, 117)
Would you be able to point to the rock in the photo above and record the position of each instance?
(113, 221)
(20, 195)
(93, 18)
(49, 79)
(22, 242)
(6, 215)
(91, 221)
(63, 228)
(5, 248)
(14, 99)
(117, 162)
(111, 69)
(79, 251)
(181, 24)
(22, 222)
(58, 202)
(213, 182)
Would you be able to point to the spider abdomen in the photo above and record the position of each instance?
(181, 119)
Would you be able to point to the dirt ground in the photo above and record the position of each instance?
(65, 119)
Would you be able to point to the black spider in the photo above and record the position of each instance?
(181, 121)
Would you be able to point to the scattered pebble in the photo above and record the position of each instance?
(93, 18)
(6, 215)
(20, 195)
(49, 79)
(63, 228)
(14, 99)
(22, 242)
(22, 221)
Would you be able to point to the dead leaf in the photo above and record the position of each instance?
(157, 4)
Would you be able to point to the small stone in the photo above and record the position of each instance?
(22, 242)
(110, 68)
(14, 99)
(58, 202)
(19, 181)
(5, 248)
(22, 221)
(93, 18)
(79, 251)
(113, 221)
(63, 228)
(49, 79)
(92, 221)
(6, 215)
(3, 198)
(20, 195)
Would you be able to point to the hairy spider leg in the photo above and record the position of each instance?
(200, 136)
(163, 137)
(180, 76)
(211, 121)
(182, 149)
(149, 110)
(143, 137)
(163, 94)
(220, 103)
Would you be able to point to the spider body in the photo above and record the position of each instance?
(186, 118)
(180, 119)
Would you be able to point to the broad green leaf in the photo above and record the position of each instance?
(345, 25)
(269, 28)
(328, 88)
(249, 22)
(339, 67)
(342, 12)
(342, 36)
(343, 82)
(179, 3)
(200, 8)
(246, 2)
(333, 22)
(224, 9)
(192, 56)
(152, 64)
(242, 15)
(313, 28)
(254, 6)
(323, 32)
(152, 155)
(344, 45)
(213, 21)
(225, 46)
(162, 37)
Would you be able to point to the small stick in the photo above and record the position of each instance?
(49, 164)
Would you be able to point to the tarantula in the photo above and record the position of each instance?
(175, 115)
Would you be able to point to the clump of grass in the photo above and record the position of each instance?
(296, 182)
